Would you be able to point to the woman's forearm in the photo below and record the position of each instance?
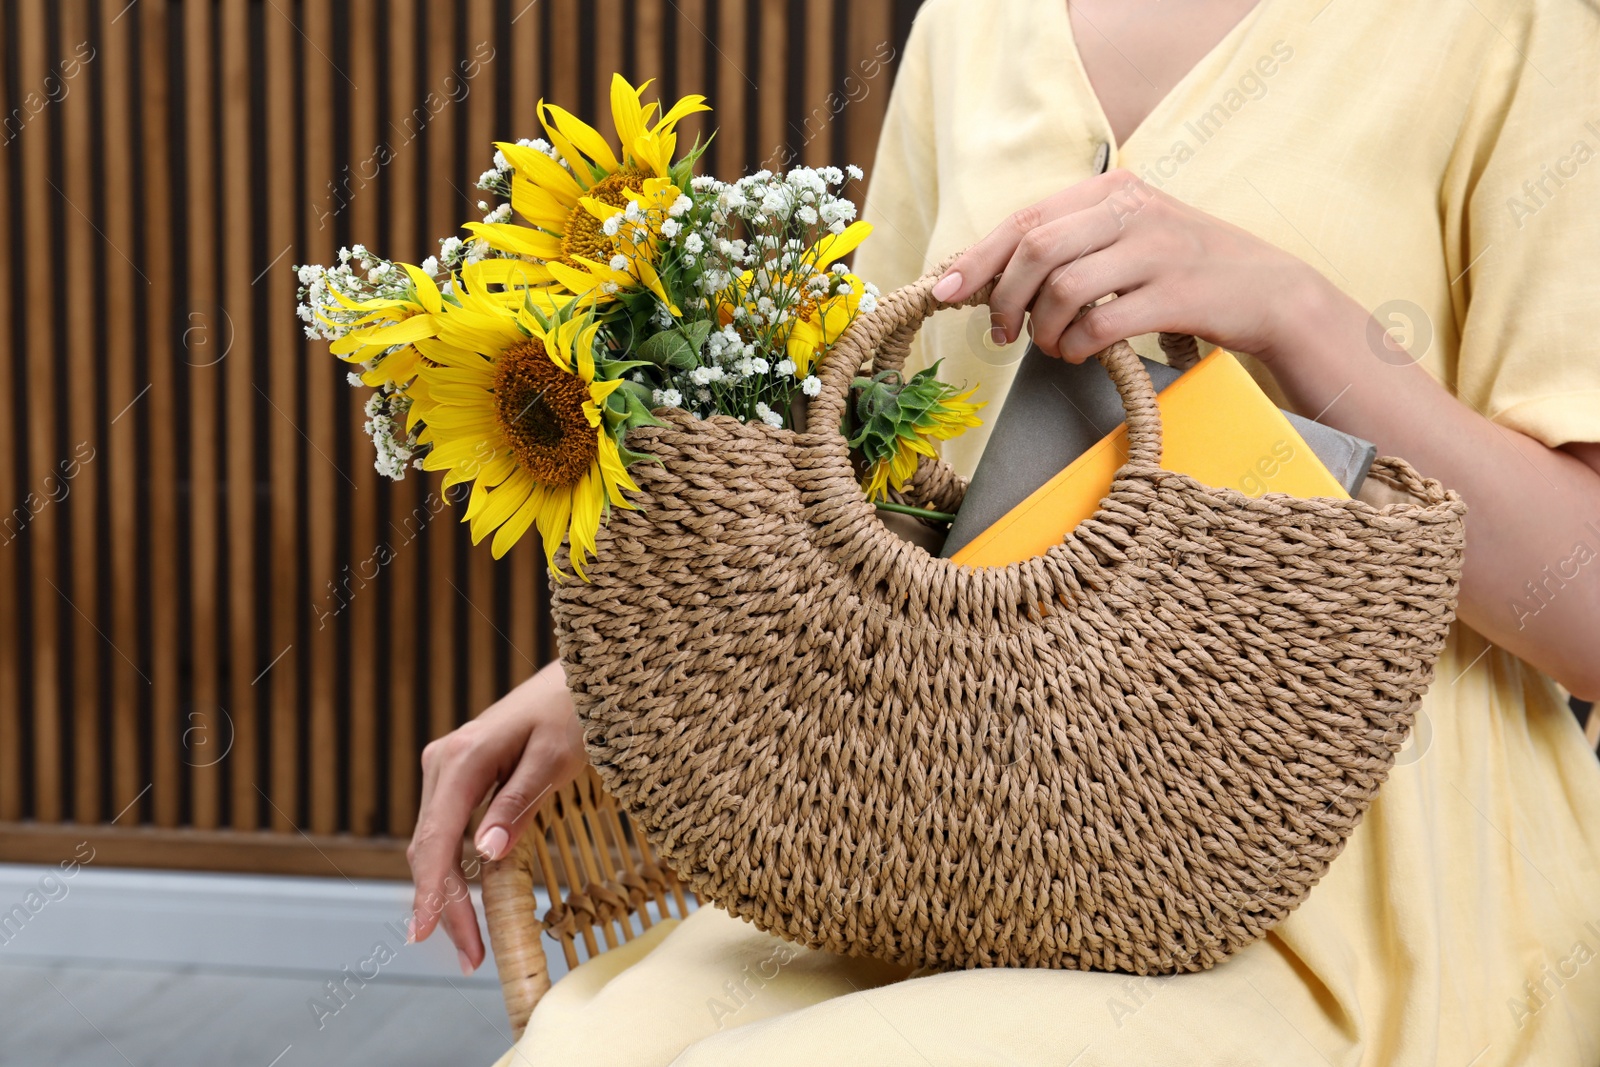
(1532, 573)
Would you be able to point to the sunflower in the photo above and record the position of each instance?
(900, 420)
(567, 206)
(820, 315)
(511, 402)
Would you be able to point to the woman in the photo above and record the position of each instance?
(1290, 181)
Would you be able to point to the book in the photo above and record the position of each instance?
(1061, 437)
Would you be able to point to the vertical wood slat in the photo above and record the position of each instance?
(254, 132)
(690, 16)
(476, 600)
(812, 129)
(562, 85)
(74, 464)
(772, 87)
(244, 393)
(13, 506)
(871, 30)
(408, 495)
(205, 351)
(359, 618)
(607, 16)
(285, 553)
(526, 572)
(445, 212)
(730, 151)
(325, 406)
(650, 46)
(124, 288)
(158, 411)
(39, 240)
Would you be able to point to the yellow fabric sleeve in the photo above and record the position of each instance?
(1521, 208)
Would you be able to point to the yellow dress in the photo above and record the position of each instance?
(1437, 161)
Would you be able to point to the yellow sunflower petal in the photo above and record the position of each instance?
(580, 135)
(511, 531)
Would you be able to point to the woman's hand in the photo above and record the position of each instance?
(528, 743)
(1174, 269)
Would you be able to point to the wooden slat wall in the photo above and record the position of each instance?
(202, 661)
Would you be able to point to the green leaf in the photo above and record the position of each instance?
(610, 369)
(669, 348)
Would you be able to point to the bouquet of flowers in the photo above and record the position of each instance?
(608, 283)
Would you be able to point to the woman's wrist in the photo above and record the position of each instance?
(1318, 341)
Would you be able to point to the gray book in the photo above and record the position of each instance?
(1056, 411)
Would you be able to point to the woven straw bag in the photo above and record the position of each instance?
(1137, 752)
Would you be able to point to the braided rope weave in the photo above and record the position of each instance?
(1137, 752)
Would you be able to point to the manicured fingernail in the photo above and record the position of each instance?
(948, 286)
(466, 963)
(411, 931)
(997, 334)
(492, 842)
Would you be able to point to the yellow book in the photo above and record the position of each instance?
(1217, 426)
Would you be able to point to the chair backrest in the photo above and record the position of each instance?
(601, 877)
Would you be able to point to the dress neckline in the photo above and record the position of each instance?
(1225, 46)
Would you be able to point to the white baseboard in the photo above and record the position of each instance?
(223, 921)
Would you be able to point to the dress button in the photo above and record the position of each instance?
(1102, 157)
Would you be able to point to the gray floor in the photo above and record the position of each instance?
(126, 968)
(75, 1014)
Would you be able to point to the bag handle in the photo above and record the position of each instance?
(883, 338)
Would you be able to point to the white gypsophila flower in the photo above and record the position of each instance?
(619, 262)
(844, 289)
(680, 206)
(808, 214)
(704, 183)
(633, 213)
(693, 243)
(354, 379)
(702, 395)
(759, 365)
(786, 367)
(670, 398)
(430, 266)
(811, 385)
(486, 179)
(500, 162)
(854, 171)
(611, 225)
(609, 288)
(669, 228)
(868, 305)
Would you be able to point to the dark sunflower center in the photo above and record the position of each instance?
(583, 236)
(539, 408)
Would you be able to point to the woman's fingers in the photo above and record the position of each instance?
(1070, 258)
(1074, 286)
(1137, 311)
(543, 767)
(989, 257)
(455, 774)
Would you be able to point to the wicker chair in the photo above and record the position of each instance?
(601, 877)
